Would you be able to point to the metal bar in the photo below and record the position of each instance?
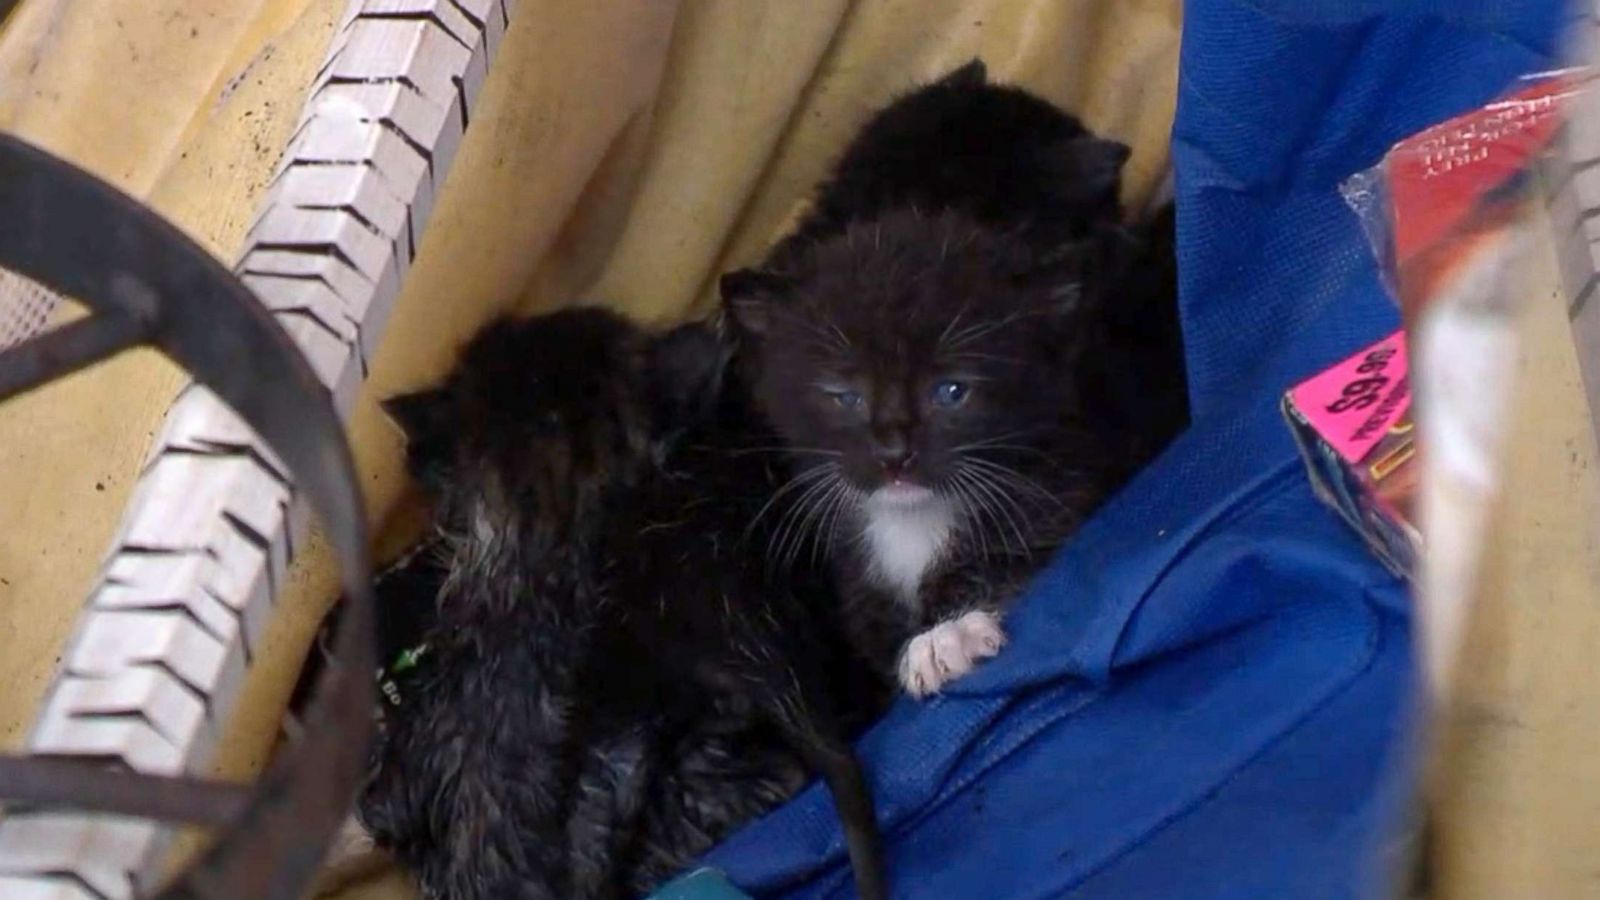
(64, 350)
(91, 787)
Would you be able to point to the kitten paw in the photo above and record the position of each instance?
(948, 651)
(353, 840)
(354, 857)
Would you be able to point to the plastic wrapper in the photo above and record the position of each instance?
(1404, 438)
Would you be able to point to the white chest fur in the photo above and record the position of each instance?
(903, 541)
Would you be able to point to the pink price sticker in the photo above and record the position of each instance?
(1353, 404)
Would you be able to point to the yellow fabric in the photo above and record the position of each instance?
(622, 152)
(1516, 789)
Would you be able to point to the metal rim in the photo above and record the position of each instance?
(148, 284)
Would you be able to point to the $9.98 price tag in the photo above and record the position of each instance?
(1353, 404)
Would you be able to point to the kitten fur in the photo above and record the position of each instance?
(470, 787)
(963, 342)
(609, 690)
(1002, 156)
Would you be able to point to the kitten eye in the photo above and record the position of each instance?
(847, 399)
(950, 394)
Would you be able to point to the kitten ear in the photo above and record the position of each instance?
(683, 371)
(973, 74)
(422, 417)
(747, 298)
(425, 420)
(1062, 272)
(1082, 269)
(1095, 163)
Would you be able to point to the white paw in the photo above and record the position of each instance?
(353, 840)
(354, 857)
(948, 651)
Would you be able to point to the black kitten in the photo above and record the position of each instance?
(998, 154)
(951, 344)
(610, 687)
(471, 785)
(768, 687)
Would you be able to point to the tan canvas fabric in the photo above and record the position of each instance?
(623, 152)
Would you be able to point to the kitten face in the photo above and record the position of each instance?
(912, 356)
(543, 415)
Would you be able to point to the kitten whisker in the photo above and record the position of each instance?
(811, 451)
(804, 477)
(830, 335)
(1022, 517)
(982, 329)
(997, 441)
(850, 495)
(847, 495)
(818, 509)
(844, 342)
(1003, 503)
(956, 319)
(829, 504)
(793, 518)
(797, 509)
(983, 516)
(971, 356)
(1008, 448)
(960, 495)
(1007, 475)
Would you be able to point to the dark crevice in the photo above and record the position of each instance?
(180, 607)
(477, 23)
(404, 80)
(417, 17)
(288, 532)
(364, 163)
(147, 550)
(305, 312)
(253, 452)
(349, 210)
(79, 882)
(461, 100)
(244, 628)
(112, 761)
(1582, 300)
(313, 249)
(295, 276)
(218, 450)
(194, 690)
(260, 542)
(416, 147)
(248, 532)
(126, 715)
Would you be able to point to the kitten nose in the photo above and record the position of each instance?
(894, 457)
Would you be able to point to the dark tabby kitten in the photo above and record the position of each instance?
(967, 353)
(609, 686)
(519, 447)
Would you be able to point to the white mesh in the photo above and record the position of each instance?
(25, 306)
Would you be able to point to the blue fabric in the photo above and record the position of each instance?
(1206, 694)
(705, 884)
